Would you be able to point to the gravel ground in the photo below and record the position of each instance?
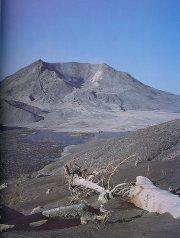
(157, 149)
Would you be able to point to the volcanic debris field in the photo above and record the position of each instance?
(157, 149)
(54, 114)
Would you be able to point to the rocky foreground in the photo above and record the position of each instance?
(155, 153)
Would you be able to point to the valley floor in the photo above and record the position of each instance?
(94, 120)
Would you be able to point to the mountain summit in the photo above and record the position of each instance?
(77, 87)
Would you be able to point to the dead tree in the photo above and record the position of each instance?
(81, 213)
(143, 193)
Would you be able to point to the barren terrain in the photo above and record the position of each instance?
(157, 150)
(56, 114)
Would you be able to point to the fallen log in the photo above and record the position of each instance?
(80, 211)
(143, 194)
(75, 180)
(62, 216)
(147, 196)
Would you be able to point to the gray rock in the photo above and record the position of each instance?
(77, 91)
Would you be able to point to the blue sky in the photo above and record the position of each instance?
(141, 37)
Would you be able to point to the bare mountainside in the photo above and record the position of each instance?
(155, 143)
(79, 95)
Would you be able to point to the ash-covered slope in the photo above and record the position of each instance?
(155, 143)
(96, 85)
(17, 113)
(36, 82)
(157, 149)
(83, 97)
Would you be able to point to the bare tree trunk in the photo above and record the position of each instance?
(147, 196)
(143, 194)
(82, 212)
(79, 181)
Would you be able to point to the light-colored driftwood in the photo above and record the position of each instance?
(147, 196)
(143, 194)
(80, 211)
(76, 180)
(4, 227)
